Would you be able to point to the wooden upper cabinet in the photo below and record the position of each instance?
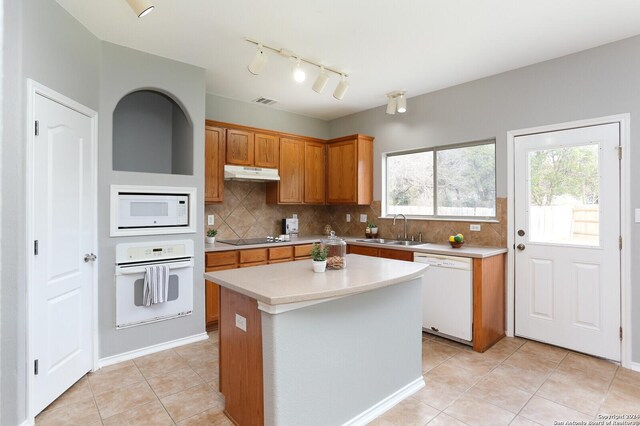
(214, 148)
(266, 150)
(290, 189)
(314, 172)
(239, 147)
(350, 170)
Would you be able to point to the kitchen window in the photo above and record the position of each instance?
(455, 181)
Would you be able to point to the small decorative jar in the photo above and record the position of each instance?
(337, 252)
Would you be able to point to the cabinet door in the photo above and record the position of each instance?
(363, 250)
(212, 302)
(314, 172)
(214, 147)
(396, 254)
(291, 185)
(266, 150)
(342, 167)
(239, 147)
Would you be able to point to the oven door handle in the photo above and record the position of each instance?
(124, 270)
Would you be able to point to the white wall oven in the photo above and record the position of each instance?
(148, 210)
(132, 260)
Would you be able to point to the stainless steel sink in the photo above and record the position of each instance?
(374, 240)
(404, 243)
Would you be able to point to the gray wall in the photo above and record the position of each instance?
(594, 83)
(182, 147)
(124, 71)
(142, 133)
(44, 43)
(264, 117)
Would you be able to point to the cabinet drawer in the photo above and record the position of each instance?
(281, 253)
(366, 251)
(280, 261)
(220, 268)
(247, 265)
(396, 254)
(252, 256)
(221, 258)
(302, 251)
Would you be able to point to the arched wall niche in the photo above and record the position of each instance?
(152, 133)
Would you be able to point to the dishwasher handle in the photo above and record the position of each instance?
(452, 262)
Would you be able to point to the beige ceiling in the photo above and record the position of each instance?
(384, 45)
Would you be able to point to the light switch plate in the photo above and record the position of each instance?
(241, 322)
(637, 215)
(474, 227)
(210, 219)
(363, 218)
(348, 217)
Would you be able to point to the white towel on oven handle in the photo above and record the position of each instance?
(156, 284)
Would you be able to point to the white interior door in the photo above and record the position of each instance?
(567, 224)
(62, 284)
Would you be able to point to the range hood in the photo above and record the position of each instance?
(255, 174)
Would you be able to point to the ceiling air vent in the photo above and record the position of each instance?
(264, 101)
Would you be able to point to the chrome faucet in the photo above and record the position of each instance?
(406, 235)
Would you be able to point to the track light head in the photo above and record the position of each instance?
(321, 81)
(141, 7)
(258, 62)
(341, 88)
(402, 103)
(298, 72)
(391, 104)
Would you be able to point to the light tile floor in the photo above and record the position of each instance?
(517, 382)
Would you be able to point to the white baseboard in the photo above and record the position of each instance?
(125, 356)
(635, 366)
(387, 403)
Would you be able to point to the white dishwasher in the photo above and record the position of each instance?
(447, 295)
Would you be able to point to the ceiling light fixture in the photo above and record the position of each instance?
(298, 73)
(321, 81)
(258, 61)
(341, 88)
(141, 7)
(396, 101)
(391, 105)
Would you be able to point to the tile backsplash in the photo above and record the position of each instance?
(245, 214)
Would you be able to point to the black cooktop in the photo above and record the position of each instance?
(248, 241)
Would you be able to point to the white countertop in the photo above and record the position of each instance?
(431, 248)
(295, 282)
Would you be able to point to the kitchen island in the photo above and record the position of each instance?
(298, 347)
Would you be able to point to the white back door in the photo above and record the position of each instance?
(567, 224)
(62, 285)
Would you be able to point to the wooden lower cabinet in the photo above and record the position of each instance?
(382, 252)
(212, 303)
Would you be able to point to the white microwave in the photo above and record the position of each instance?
(148, 210)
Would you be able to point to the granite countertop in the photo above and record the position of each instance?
(294, 282)
(430, 248)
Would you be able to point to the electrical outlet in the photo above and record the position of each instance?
(294, 216)
(210, 219)
(241, 322)
(348, 219)
(637, 215)
(363, 218)
(474, 227)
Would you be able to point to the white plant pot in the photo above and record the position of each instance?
(319, 266)
(211, 240)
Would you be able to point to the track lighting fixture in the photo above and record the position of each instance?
(396, 101)
(321, 81)
(141, 7)
(298, 72)
(341, 88)
(260, 59)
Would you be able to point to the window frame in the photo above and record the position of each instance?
(434, 150)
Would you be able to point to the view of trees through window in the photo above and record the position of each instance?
(465, 182)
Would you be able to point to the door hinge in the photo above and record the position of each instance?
(35, 247)
(620, 242)
(619, 152)
(37, 128)
(621, 333)
(35, 367)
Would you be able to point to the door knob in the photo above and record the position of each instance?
(90, 257)
(520, 246)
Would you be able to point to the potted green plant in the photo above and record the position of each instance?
(211, 236)
(371, 231)
(319, 257)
